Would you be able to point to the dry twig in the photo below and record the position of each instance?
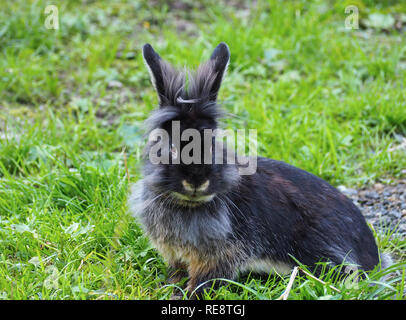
(318, 280)
(285, 294)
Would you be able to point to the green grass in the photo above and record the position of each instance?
(325, 99)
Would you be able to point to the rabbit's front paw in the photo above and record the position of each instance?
(177, 272)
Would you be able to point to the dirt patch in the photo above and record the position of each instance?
(384, 206)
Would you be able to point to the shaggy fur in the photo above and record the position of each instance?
(256, 222)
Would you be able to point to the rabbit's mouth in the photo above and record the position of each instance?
(192, 200)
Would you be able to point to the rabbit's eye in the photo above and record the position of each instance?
(174, 152)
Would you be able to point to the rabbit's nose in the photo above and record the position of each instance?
(193, 188)
(204, 186)
(188, 187)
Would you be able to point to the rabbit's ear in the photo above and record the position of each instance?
(167, 81)
(220, 58)
(153, 62)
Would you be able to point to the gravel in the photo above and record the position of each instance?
(384, 206)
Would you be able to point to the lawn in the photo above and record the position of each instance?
(325, 98)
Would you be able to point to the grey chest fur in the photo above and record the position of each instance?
(202, 226)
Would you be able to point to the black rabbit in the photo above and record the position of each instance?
(208, 221)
